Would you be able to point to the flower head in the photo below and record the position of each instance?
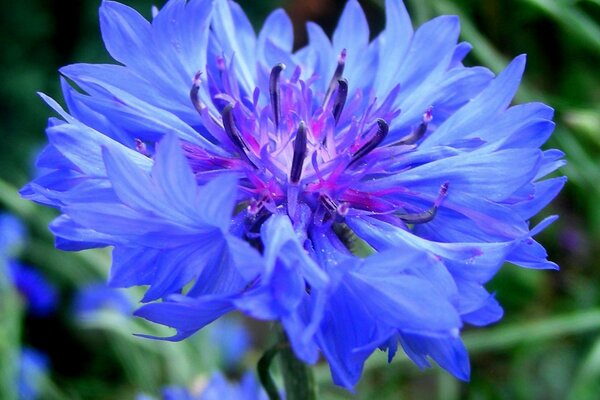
(224, 159)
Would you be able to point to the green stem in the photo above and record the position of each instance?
(265, 376)
(297, 376)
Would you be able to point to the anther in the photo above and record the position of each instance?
(293, 191)
(233, 133)
(299, 153)
(274, 92)
(141, 147)
(194, 92)
(340, 99)
(420, 131)
(337, 75)
(329, 203)
(382, 131)
(426, 216)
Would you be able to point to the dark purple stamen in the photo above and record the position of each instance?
(329, 203)
(194, 92)
(233, 133)
(299, 153)
(337, 75)
(382, 131)
(274, 92)
(426, 216)
(340, 99)
(420, 131)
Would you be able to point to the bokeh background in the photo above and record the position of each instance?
(546, 347)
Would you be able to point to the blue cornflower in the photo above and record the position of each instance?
(11, 234)
(39, 295)
(33, 370)
(97, 297)
(232, 341)
(217, 388)
(230, 172)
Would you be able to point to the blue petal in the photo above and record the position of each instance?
(126, 34)
(403, 302)
(235, 38)
(483, 109)
(492, 175)
(460, 52)
(473, 261)
(544, 192)
(449, 352)
(396, 39)
(180, 32)
(352, 32)
(277, 32)
(430, 53)
(186, 315)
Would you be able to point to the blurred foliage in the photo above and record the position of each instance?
(547, 346)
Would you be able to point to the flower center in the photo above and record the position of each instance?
(302, 146)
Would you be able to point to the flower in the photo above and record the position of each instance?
(39, 295)
(217, 388)
(33, 371)
(11, 236)
(359, 192)
(232, 341)
(97, 297)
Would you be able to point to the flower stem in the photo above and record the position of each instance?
(297, 376)
(265, 376)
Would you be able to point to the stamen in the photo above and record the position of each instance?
(340, 99)
(299, 153)
(233, 133)
(293, 190)
(420, 131)
(256, 206)
(329, 203)
(337, 75)
(368, 147)
(335, 212)
(274, 92)
(141, 147)
(426, 216)
(194, 92)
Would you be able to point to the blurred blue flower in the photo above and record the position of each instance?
(219, 388)
(33, 370)
(11, 234)
(232, 339)
(97, 297)
(40, 296)
(232, 173)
